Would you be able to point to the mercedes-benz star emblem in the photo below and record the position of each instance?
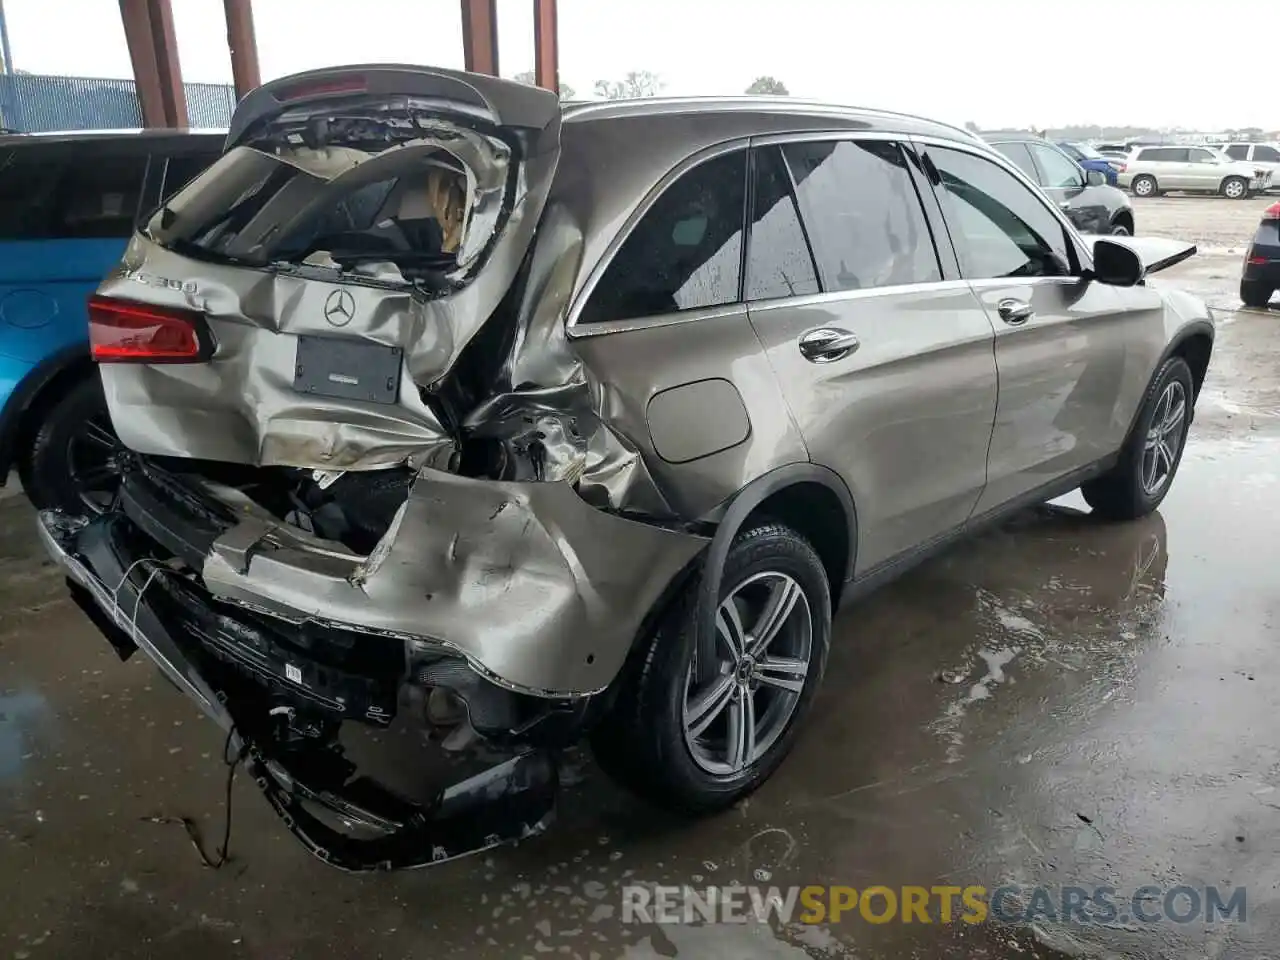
(340, 308)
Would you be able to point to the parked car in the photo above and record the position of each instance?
(512, 423)
(68, 205)
(1091, 159)
(1081, 194)
(1151, 171)
(1264, 156)
(1261, 277)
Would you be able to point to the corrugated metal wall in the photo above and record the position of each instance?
(33, 104)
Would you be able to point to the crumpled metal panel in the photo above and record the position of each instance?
(534, 586)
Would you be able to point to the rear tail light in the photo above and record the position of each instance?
(1120, 167)
(121, 331)
(1272, 212)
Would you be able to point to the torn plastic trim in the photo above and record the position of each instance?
(540, 591)
(503, 804)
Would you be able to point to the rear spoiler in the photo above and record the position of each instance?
(502, 102)
(1156, 253)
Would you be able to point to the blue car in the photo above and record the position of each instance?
(1091, 159)
(68, 205)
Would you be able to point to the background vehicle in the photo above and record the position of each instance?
(68, 204)
(1261, 277)
(1091, 159)
(1264, 156)
(1151, 171)
(643, 456)
(1081, 194)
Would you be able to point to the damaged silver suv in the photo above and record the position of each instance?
(452, 410)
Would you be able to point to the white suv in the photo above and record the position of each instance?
(1264, 156)
(1150, 171)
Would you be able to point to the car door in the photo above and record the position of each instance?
(66, 226)
(883, 353)
(1062, 179)
(1205, 169)
(1060, 341)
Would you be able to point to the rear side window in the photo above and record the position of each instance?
(862, 213)
(28, 191)
(778, 260)
(100, 198)
(1239, 151)
(1021, 157)
(686, 251)
(1000, 227)
(1165, 154)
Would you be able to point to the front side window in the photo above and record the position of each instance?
(686, 251)
(1021, 158)
(1203, 156)
(1266, 154)
(1057, 171)
(1238, 151)
(1000, 228)
(778, 260)
(862, 213)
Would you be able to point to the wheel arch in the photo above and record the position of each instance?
(1123, 217)
(1194, 344)
(809, 498)
(39, 390)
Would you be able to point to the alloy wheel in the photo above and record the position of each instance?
(763, 651)
(1164, 438)
(94, 459)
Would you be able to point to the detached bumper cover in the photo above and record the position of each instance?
(141, 604)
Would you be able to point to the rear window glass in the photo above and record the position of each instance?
(686, 251)
(27, 191)
(45, 198)
(180, 171)
(407, 213)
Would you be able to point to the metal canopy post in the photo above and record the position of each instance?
(480, 36)
(546, 54)
(153, 49)
(243, 45)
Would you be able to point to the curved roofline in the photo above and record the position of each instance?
(651, 106)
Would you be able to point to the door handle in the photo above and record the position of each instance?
(827, 343)
(1014, 312)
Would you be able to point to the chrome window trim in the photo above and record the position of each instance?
(871, 293)
(573, 328)
(1083, 250)
(657, 320)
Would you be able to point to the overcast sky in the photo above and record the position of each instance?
(1000, 63)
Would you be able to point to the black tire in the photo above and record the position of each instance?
(641, 742)
(1121, 229)
(1120, 493)
(1255, 294)
(1235, 188)
(72, 461)
(1144, 186)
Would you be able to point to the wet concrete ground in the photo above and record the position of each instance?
(1061, 702)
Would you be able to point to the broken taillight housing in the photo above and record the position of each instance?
(122, 331)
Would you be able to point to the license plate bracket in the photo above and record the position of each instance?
(347, 369)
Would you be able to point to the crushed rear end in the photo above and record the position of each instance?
(371, 485)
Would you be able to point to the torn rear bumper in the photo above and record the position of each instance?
(282, 708)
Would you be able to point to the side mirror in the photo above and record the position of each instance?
(1094, 178)
(1116, 264)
